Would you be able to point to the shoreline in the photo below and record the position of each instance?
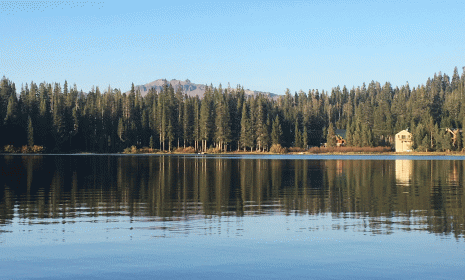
(419, 154)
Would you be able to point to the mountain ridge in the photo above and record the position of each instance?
(189, 88)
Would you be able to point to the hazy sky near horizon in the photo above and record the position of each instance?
(261, 45)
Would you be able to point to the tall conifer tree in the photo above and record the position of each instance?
(331, 138)
(276, 131)
(30, 132)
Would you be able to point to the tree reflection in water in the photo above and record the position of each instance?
(378, 196)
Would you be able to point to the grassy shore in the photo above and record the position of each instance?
(413, 153)
(274, 151)
(301, 151)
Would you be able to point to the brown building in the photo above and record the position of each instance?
(340, 137)
(404, 141)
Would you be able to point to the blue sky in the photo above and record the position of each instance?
(262, 45)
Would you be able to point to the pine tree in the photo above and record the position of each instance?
(12, 110)
(30, 133)
(261, 128)
(205, 120)
(446, 144)
(165, 114)
(367, 134)
(331, 138)
(4, 96)
(458, 140)
(305, 138)
(121, 130)
(276, 131)
(222, 124)
(32, 100)
(438, 138)
(349, 134)
(178, 114)
(196, 128)
(460, 137)
(246, 131)
(170, 135)
(418, 135)
(297, 136)
(57, 115)
(266, 138)
(151, 142)
(424, 144)
(187, 122)
(324, 135)
(144, 126)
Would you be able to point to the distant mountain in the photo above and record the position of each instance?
(255, 92)
(188, 88)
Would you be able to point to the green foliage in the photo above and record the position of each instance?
(30, 133)
(222, 125)
(447, 142)
(277, 149)
(331, 138)
(66, 120)
(246, 129)
(9, 149)
(151, 144)
(187, 150)
(121, 130)
(297, 136)
(260, 123)
(12, 110)
(424, 144)
(131, 150)
(276, 132)
(418, 135)
(170, 135)
(458, 143)
(305, 138)
(213, 150)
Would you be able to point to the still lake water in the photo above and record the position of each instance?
(231, 217)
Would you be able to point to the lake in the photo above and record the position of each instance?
(231, 217)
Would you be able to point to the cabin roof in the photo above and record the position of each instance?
(403, 132)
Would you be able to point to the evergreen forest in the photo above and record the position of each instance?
(62, 119)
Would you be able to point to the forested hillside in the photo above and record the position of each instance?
(63, 119)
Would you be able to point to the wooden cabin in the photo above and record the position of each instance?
(404, 141)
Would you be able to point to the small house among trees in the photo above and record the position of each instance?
(340, 137)
(454, 136)
(63, 119)
(404, 141)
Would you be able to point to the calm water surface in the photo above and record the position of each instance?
(231, 217)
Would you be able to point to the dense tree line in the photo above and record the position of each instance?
(63, 119)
